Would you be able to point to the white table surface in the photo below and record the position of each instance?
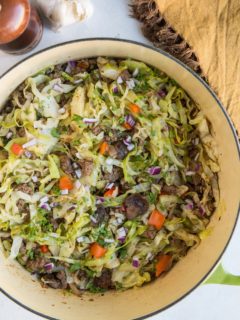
(209, 302)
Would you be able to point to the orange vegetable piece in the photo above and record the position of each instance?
(156, 219)
(17, 149)
(134, 108)
(97, 251)
(44, 248)
(127, 126)
(109, 193)
(65, 183)
(104, 147)
(162, 264)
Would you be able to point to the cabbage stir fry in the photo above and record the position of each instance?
(108, 175)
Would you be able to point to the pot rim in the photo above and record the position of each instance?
(220, 105)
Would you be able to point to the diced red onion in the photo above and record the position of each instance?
(9, 134)
(78, 173)
(57, 87)
(197, 166)
(53, 204)
(162, 93)
(78, 184)
(89, 120)
(129, 119)
(70, 65)
(115, 89)
(44, 199)
(130, 147)
(189, 204)
(30, 143)
(119, 80)
(64, 192)
(202, 211)
(62, 110)
(45, 206)
(127, 140)
(121, 234)
(135, 262)
(130, 84)
(100, 200)
(154, 170)
(34, 178)
(49, 266)
(109, 185)
(28, 154)
(75, 165)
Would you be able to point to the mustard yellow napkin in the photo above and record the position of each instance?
(212, 29)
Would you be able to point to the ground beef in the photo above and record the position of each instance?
(104, 281)
(135, 205)
(37, 265)
(55, 280)
(113, 176)
(66, 164)
(169, 189)
(150, 233)
(24, 187)
(101, 215)
(120, 150)
(23, 208)
(56, 222)
(21, 132)
(96, 130)
(125, 75)
(87, 167)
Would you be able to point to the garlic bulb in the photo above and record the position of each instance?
(65, 12)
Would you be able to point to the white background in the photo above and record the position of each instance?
(209, 302)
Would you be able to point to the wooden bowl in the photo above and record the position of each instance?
(136, 303)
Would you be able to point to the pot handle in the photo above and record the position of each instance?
(220, 276)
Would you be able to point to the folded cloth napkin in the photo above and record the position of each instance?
(212, 29)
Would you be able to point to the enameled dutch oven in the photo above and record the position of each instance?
(136, 303)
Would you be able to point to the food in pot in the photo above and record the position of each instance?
(108, 175)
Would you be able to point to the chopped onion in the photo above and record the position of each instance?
(46, 206)
(53, 204)
(78, 81)
(57, 87)
(119, 221)
(75, 165)
(202, 211)
(94, 220)
(70, 66)
(64, 192)
(78, 184)
(49, 266)
(90, 120)
(154, 170)
(44, 199)
(162, 93)
(109, 185)
(83, 239)
(129, 119)
(28, 154)
(78, 155)
(119, 80)
(109, 240)
(30, 143)
(196, 141)
(34, 178)
(130, 84)
(121, 234)
(115, 89)
(62, 110)
(130, 147)
(135, 262)
(9, 135)
(149, 256)
(78, 173)
(127, 141)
